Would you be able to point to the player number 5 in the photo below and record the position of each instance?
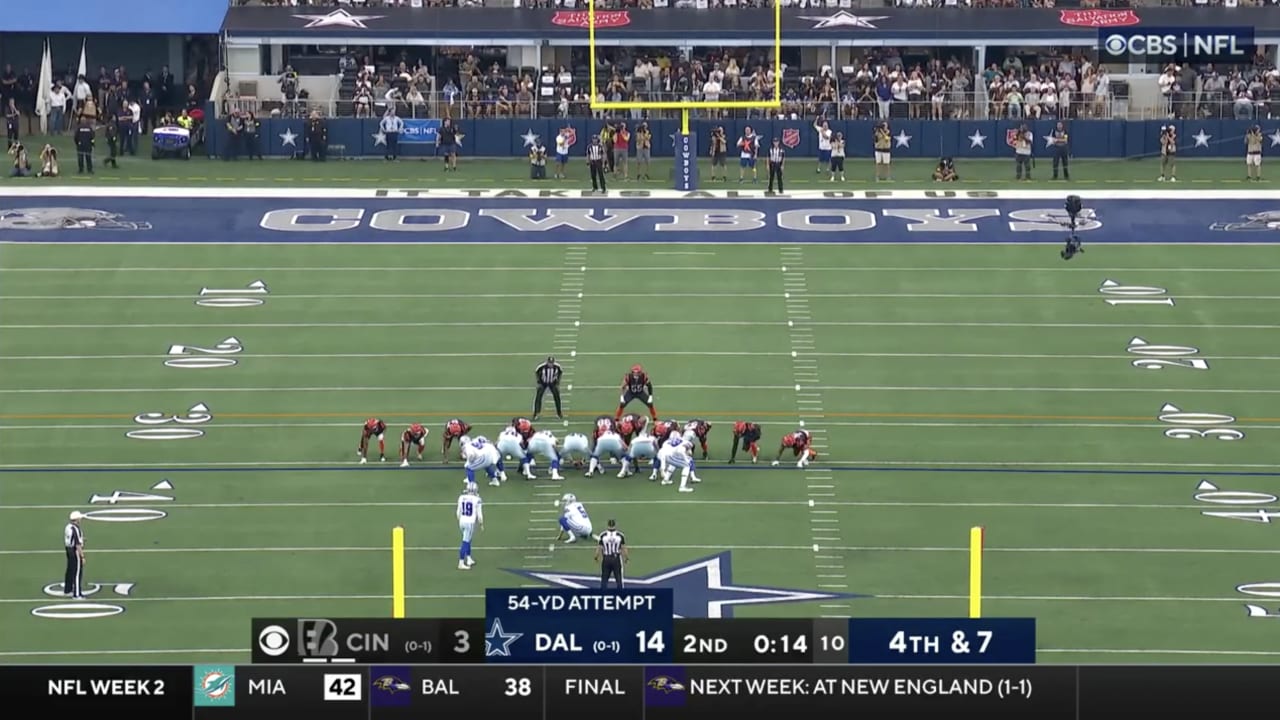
(651, 642)
(521, 687)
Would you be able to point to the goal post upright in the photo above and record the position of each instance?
(686, 146)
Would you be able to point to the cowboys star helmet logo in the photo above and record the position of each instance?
(64, 218)
(1269, 220)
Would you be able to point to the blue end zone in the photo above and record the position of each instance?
(393, 220)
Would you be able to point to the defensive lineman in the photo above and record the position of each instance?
(470, 516)
(676, 452)
(575, 524)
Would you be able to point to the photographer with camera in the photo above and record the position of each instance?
(1074, 207)
(1168, 153)
(719, 149)
(1253, 154)
(1022, 141)
(644, 146)
(946, 171)
(883, 143)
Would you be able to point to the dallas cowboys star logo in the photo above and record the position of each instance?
(530, 138)
(379, 138)
(1201, 138)
(702, 588)
(497, 643)
(338, 18)
(902, 139)
(977, 140)
(288, 137)
(1048, 140)
(844, 19)
(1275, 138)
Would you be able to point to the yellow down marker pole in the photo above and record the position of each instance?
(397, 572)
(684, 120)
(976, 536)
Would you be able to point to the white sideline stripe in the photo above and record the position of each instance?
(450, 269)
(779, 548)
(534, 194)
(691, 503)
(802, 353)
(632, 323)
(735, 388)
(798, 305)
(213, 651)
(856, 463)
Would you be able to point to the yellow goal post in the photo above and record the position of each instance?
(685, 107)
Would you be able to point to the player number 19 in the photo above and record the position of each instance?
(651, 642)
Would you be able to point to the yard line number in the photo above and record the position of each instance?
(1211, 495)
(1118, 294)
(1158, 357)
(193, 357)
(163, 426)
(1193, 425)
(251, 295)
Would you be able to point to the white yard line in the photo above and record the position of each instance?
(925, 465)
(614, 324)
(632, 269)
(824, 523)
(661, 353)
(470, 297)
(699, 503)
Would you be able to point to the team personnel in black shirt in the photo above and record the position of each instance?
(636, 386)
(113, 145)
(84, 146)
(547, 375)
(746, 434)
(595, 160)
(612, 554)
(317, 133)
(447, 142)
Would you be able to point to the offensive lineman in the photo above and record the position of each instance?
(642, 447)
(675, 453)
(511, 445)
(480, 454)
(542, 443)
(470, 514)
(575, 524)
(608, 444)
(414, 436)
(577, 449)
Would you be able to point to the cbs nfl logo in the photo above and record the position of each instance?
(1163, 46)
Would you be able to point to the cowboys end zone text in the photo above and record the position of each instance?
(170, 215)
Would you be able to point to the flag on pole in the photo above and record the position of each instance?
(84, 65)
(44, 91)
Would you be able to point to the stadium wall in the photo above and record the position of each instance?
(917, 138)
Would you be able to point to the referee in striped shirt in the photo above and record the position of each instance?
(547, 375)
(73, 543)
(612, 554)
(595, 161)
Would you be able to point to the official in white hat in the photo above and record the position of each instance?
(73, 542)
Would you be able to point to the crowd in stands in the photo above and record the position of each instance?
(647, 4)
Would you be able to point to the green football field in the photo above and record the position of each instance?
(948, 387)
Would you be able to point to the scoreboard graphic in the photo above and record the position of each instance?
(542, 654)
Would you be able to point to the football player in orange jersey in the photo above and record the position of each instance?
(373, 428)
(799, 442)
(414, 435)
(453, 430)
(636, 386)
(746, 434)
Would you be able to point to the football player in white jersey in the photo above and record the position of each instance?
(574, 521)
(577, 449)
(676, 453)
(480, 454)
(510, 444)
(643, 447)
(543, 443)
(608, 445)
(470, 515)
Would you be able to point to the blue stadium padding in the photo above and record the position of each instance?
(928, 139)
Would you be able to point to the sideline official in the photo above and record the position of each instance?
(547, 375)
(1060, 141)
(595, 162)
(612, 554)
(777, 158)
(73, 543)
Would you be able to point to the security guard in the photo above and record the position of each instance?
(612, 554)
(547, 375)
(777, 158)
(1253, 154)
(84, 146)
(1022, 139)
(595, 160)
(1059, 141)
(73, 543)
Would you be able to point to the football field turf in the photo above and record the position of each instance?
(949, 386)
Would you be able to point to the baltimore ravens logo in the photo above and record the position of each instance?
(390, 684)
(65, 218)
(1269, 220)
(666, 684)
